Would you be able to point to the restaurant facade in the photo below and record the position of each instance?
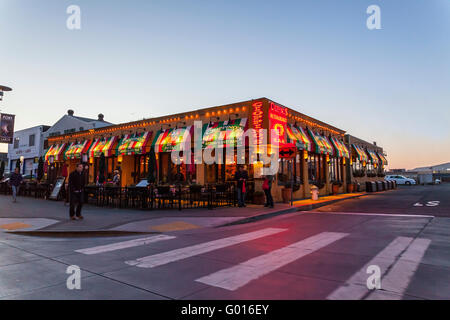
(323, 155)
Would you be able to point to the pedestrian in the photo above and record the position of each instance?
(76, 189)
(65, 191)
(116, 178)
(267, 187)
(241, 177)
(15, 181)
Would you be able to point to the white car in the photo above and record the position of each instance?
(437, 181)
(401, 180)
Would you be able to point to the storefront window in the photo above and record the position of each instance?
(316, 168)
(358, 169)
(335, 169)
(284, 171)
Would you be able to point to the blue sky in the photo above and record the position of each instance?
(136, 59)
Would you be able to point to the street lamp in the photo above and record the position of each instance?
(3, 89)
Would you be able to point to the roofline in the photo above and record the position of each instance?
(181, 116)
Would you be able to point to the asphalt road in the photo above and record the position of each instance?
(429, 199)
(312, 255)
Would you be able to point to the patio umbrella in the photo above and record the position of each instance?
(2, 169)
(151, 166)
(101, 169)
(40, 170)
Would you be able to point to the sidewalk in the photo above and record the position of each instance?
(33, 216)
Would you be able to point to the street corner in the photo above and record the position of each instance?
(28, 224)
(175, 224)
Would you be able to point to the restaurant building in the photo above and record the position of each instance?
(322, 155)
(368, 162)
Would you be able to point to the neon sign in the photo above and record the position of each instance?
(257, 119)
(278, 121)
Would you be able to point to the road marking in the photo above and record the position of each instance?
(355, 287)
(15, 226)
(371, 214)
(400, 275)
(428, 204)
(187, 252)
(124, 244)
(238, 276)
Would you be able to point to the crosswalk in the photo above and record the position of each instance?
(398, 261)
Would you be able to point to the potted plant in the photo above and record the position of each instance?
(351, 187)
(258, 197)
(335, 186)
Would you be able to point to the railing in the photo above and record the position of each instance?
(28, 189)
(146, 198)
(162, 197)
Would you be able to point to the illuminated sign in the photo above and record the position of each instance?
(278, 121)
(257, 119)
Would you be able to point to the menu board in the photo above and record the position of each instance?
(57, 188)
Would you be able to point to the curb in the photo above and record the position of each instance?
(307, 207)
(79, 234)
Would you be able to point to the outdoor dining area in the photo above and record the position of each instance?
(151, 197)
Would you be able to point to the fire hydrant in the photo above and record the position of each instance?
(314, 193)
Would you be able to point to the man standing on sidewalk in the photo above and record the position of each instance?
(241, 177)
(76, 189)
(15, 180)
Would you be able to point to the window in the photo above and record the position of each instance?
(31, 139)
(335, 169)
(16, 143)
(316, 168)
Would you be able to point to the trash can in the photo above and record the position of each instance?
(371, 186)
(314, 193)
(379, 186)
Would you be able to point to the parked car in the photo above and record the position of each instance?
(401, 180)
(437, 181)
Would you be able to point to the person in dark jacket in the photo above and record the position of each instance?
(267, 187)
(241, 178)
(15, 181)
(76, 189)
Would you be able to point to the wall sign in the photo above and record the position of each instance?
(278, 121)
(257, 119)
(6, 128)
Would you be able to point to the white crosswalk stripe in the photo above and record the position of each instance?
(237, 276)
(191, 251)
(397, 278)
(124, 244)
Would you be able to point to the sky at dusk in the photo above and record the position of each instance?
(136, 59)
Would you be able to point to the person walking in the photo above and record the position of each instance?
(15, 181)
(241, 176)
(267, 187)
(76, 189)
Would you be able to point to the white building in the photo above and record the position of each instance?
(30, 143)
(70, 123)
(27, 147)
